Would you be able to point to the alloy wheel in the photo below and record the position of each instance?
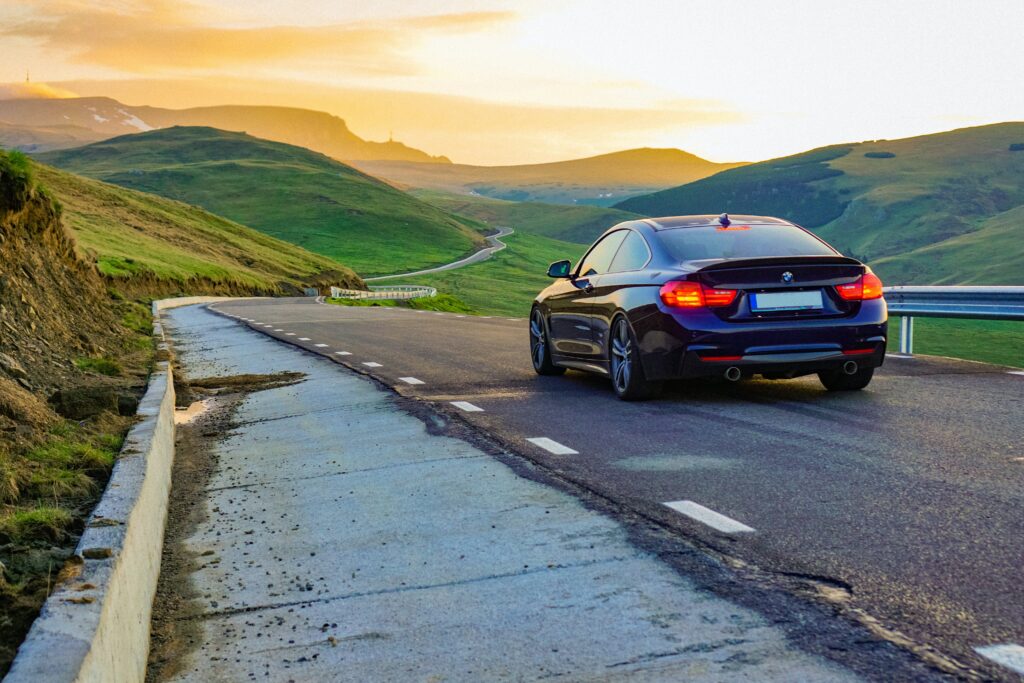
(622, 357)
(538, 344)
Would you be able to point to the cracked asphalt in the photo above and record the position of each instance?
(899, 506)
(347, 534)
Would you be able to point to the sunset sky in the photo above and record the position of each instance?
(486, 81)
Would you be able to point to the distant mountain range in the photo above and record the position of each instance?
(286, 191)
(39, 125)
(946, 208)
(600, 180)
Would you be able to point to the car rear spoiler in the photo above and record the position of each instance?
(723, 264)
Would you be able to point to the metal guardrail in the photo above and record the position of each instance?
(981, 303)
(384, 292)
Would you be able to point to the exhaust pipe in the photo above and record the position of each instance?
(850, 367)
(733, 374)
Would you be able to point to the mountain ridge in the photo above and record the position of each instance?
(106, 117)
(600, 180)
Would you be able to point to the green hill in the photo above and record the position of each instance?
(923, 210)
(288, 192)
(600, 180)
(579, 224)
(148, 245)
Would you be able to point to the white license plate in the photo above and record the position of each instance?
(786, 301)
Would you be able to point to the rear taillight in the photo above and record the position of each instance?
(866, 287)
(683, 294)
(872, 286)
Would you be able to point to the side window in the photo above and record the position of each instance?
(633, 254)
(599, 258)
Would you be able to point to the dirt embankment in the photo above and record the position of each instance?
(72, 365)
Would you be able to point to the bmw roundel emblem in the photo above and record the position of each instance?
(787, 277)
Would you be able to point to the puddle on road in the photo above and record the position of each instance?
(184, 416)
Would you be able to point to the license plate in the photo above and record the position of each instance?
(786, 301)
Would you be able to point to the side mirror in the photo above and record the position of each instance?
(560, 269)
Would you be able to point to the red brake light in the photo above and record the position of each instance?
(683, 294)
(872, 286)
(866, 287)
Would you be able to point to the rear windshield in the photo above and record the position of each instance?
(741, 241)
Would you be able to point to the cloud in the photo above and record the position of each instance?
(152, 36)
(32, 91)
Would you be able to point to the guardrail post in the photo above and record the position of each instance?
(907, 335)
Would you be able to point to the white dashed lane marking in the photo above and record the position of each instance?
(1017, 372)
(707, 516)
(303, 338)
(342, 353)
(371, 364)
(278, 330)
(411, 380)
(552, 446)
(320, 346)
(290, 334)
(1009, 655)
(467, 406)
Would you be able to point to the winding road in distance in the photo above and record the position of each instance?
(900, 503)
(482, 255)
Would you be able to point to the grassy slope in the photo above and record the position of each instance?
(580, 224)
(936, 199)
(599, 180)
(133, 234)
(288, 192)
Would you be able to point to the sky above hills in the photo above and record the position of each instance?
(502, 81)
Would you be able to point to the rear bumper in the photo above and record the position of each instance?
(675, 346)
(780, 364)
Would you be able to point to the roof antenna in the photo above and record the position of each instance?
(26, 75)
(723, 220)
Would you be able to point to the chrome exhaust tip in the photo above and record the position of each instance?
(733, 374)
(850, 367)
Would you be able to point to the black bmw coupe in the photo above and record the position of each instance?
(692, 296)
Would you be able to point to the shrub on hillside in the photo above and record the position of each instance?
(879, 155)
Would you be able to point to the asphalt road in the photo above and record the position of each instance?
(494, 241)
(901, 505)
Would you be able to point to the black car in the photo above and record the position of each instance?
(693, 296)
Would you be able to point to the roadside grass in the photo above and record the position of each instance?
(103, 366)
(441, 302)
(990, 341)
(46, 492)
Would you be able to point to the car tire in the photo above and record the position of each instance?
(627, 372)
(837, 380)
(540, 346)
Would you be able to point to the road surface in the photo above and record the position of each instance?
(899, 505)
(482, 255)
(330, 531)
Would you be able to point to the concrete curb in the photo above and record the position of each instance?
(95, 627)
